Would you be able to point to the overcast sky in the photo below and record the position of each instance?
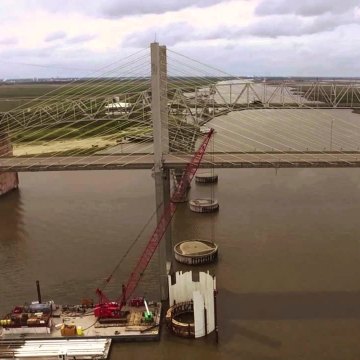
(241, 37)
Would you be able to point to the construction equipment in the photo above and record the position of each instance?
(148, 315)
(112, 309)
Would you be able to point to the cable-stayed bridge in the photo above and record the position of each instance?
(146, 161)
(151, 111)
(216, 98)
(107, 122)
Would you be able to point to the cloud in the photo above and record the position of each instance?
(304, 57)
(291, 25)
(275, 37)
(9, 41)
(110, 8)
(263, 27)
(58, 35)
(63, 6)
(116, 9)
(80, 38)
(170, 35)
(304, 7)
(28, 55)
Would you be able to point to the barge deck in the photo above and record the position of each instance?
(71, 327)
(131, 328)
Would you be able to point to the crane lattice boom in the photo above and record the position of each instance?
(112, 309)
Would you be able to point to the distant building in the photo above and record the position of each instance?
(118, 108)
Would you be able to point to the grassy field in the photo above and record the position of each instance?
(41, 137)
(75, 142)
(71, 131)
(82, 136)
(22, 96)
(18, 96)
(72, 89)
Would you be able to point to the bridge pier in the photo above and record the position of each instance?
(162, 197)
(159, 115)
(8, 180)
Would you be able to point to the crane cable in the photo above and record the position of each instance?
(107, 280)
(212, 188)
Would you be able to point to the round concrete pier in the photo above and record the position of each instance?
(206, 178)
(196, 252)
(204, 205)
(180, 319)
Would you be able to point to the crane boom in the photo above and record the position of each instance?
(158, 233)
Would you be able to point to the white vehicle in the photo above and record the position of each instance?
(204, 130)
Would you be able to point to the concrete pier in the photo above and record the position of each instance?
(204, 205)
(196, 252)
(159, 117)
(8, 180)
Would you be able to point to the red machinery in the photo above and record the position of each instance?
(109, 309)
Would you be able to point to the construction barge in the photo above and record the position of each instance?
(75, 330)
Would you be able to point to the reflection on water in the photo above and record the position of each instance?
(11, 219)
(13, 245)
(288, 270)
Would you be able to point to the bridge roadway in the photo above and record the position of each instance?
(145, 161)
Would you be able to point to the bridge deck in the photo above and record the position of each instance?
(145, 161)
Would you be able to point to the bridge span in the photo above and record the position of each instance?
(173, 161)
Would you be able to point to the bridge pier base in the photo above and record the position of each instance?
(8, 180)
(162, 195)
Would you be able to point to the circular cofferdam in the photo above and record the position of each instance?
(196, 252)
(206, 178)
(204, 205)
(180, 319)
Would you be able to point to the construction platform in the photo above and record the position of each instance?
(206, 178)
(196, 252)
(204, 205)
(131, 327)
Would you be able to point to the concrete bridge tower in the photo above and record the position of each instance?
(159, 115)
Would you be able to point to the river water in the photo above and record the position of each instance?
(288, 273)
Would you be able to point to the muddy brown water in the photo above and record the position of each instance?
(288, 270)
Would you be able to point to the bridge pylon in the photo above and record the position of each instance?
(159, 116)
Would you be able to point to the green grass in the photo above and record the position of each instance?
(80, 88)
(24, 96)
(13, 96)
(80, 131)
(72, 152)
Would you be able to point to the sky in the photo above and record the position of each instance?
(51, 38)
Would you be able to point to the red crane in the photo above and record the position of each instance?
(112, 309)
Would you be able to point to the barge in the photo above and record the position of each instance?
(40, 325)
(51, 321)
